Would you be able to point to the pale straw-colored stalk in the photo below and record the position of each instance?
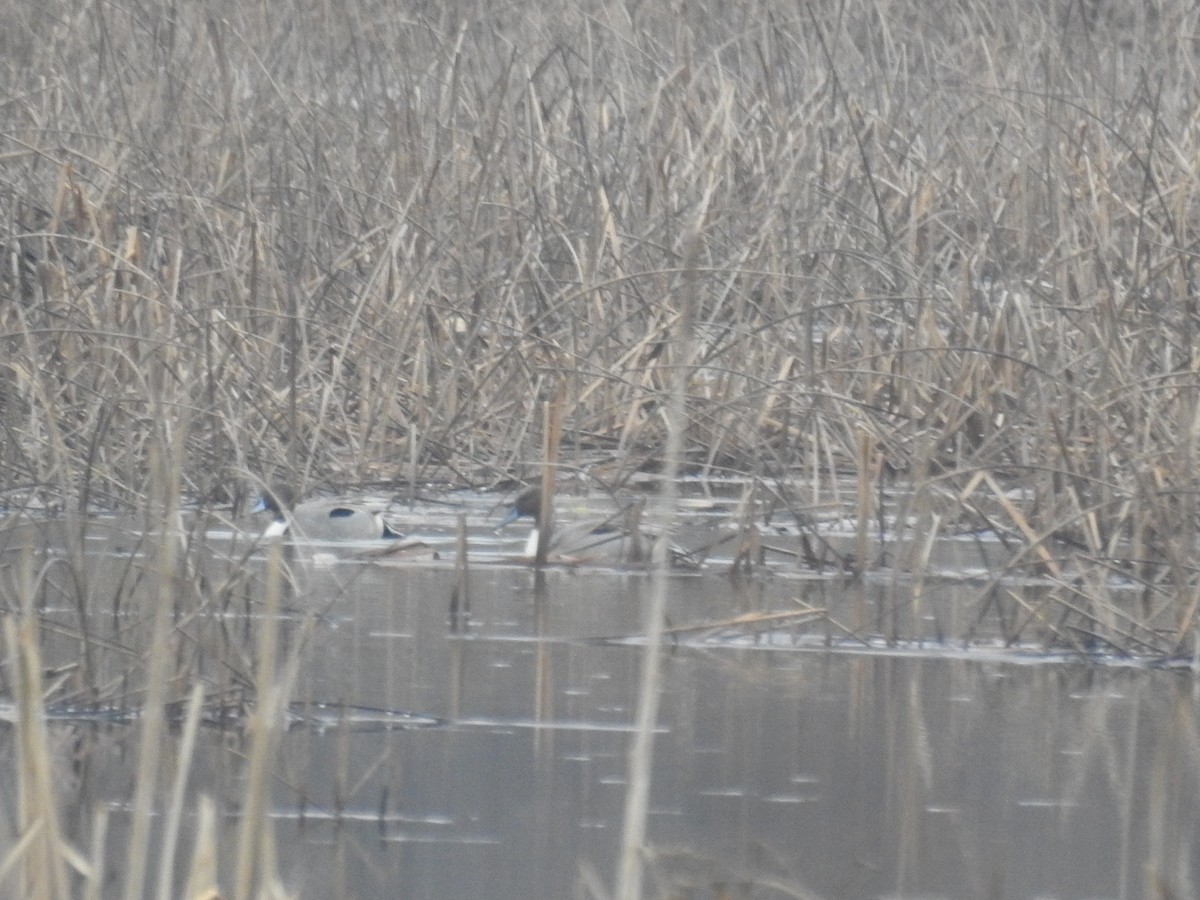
(641, 753)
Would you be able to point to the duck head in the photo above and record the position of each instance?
(275, 499)
(528, 503)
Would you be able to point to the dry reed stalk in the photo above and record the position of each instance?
(94, 884)
(867, 473)
(174, 817)
(202, 873)
(552, 435)
(460, 596)
(745, 622)
(42, 857)
(629, 875)
(153, 720)
(1036, 541)
(253, 869)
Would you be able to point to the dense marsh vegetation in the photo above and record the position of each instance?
(948, 246)
(367, 243)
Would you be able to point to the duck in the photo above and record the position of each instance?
(321, 519)
(589, 541)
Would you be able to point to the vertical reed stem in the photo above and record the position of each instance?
(551, 438)
(166, 485)
(251, 840)
(637, 798)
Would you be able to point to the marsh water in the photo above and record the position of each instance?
(785, 765)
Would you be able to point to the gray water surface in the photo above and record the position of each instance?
(776, 772)
(781, 769)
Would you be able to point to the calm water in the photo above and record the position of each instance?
(778, 770)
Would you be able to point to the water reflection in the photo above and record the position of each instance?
(781, 769)
(847, 776)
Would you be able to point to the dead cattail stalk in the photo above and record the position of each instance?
(552, 432)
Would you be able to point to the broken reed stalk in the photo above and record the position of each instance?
(460, 596)
(629, 877)
(551, 441)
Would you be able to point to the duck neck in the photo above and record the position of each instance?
(531, 543)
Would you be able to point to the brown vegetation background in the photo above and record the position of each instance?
(366, 241)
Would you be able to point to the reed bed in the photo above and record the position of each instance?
(370, 245)
(947, 248)
(950, 249)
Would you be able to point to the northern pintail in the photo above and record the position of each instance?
(322, 519)
(615, 539)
